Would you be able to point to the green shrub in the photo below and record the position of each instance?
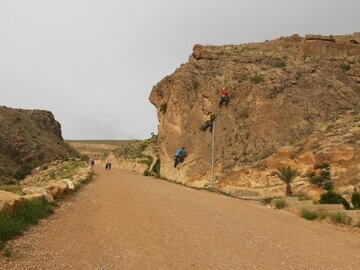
(87, 180)
(279, 203)
(22, 173)
(324, 179)
(266, 201)
(12, 188)
(355, 199)
(146, 173)
(304, 197)
(257, 78)
(280, 63)
(22, 218)
(195, 83)
(307, 214)
(7, 253)
(163, 107)
(322, 213)
(156, 168)
(331, 197)
(244, 114)
(340, 217)
(345, 67)
(2, 245)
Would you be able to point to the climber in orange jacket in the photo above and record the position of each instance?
(224, 97)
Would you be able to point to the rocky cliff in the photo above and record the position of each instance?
(29, 138)
(286, 96)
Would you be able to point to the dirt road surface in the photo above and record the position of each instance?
(126, 221)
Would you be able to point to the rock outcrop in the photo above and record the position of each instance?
(283, 94)
(29, 138)
(46, 184)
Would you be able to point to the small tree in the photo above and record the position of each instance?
(287, 175)
(323, 179)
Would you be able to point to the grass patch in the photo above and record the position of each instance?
(12, 188)
(257, 78)
(23, 217)
(110, 142)
(279, 203)
(20, 174)
(308, 215)
(7, 253)
(322, 213)
(304, 197)
(266, 201)
(87, 180)
(345, 67)
(340, 218)
(67, 170)
(148, 161)
(280, 63)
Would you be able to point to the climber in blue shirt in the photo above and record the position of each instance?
(179, 156)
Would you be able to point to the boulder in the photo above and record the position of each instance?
(9, 201)
(70, 184)
(34, 197)
(39, 191)
(54, 190)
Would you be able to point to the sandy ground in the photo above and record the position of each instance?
(126, 221)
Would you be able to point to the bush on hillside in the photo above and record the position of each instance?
(257, 78)
(331, 197)
(341, 218)
(163, 107)
(279, 203)
(307, 214)
(323, 179)
(280, 63)
(355, 199)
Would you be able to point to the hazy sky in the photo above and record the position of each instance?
(93, 63)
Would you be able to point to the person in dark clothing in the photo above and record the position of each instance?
(179, 156)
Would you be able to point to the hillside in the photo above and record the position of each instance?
(29, 138)
(284, 93)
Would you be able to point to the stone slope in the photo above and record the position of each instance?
(281, 92)
(29, 138)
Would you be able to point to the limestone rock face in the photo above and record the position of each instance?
(283, 93)
(29, 138)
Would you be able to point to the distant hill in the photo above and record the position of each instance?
(28, 139)
(288, 92)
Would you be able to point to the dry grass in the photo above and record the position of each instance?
(12, 188)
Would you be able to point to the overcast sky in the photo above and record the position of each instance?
(93, 63)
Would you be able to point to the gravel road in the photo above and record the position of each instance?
(126, 221)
